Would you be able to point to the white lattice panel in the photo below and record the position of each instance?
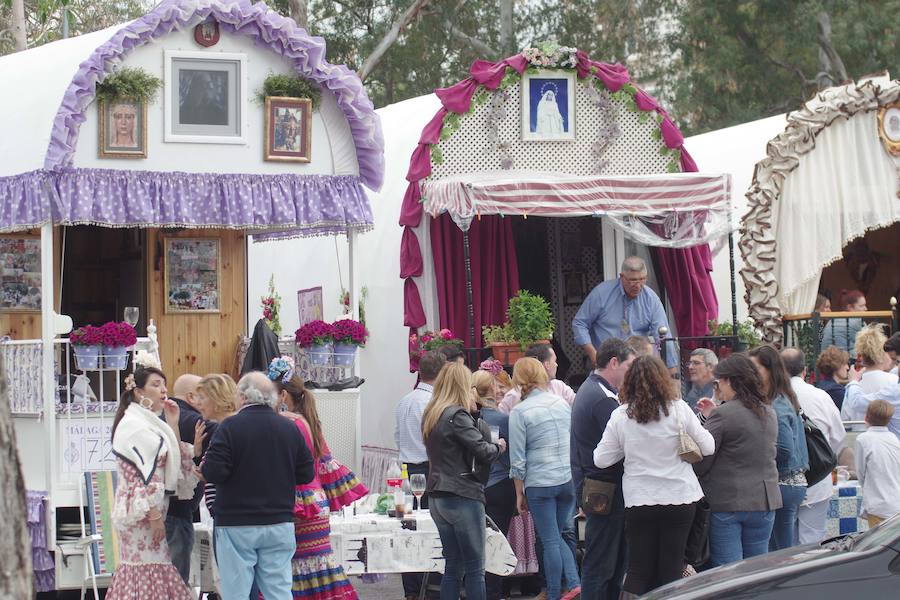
(339, 413)
(635, 152)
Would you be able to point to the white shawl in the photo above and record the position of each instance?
(140, 438)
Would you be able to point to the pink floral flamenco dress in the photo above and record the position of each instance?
(146, 571)
(316, 573)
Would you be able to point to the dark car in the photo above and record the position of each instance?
(858, 566)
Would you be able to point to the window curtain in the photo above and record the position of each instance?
(495, 274)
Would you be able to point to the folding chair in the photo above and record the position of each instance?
(99, 542)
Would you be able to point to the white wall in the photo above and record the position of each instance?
(220, 158)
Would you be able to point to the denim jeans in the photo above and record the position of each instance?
(552, 509)
(500, 506)
(180, 539)
(460, 523)
(605, 552)
(737, 535)
(784, 531)
(262, 554)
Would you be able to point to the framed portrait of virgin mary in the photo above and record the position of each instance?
(548, 106)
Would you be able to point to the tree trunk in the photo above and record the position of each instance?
(485, 51)
(18, 25)
(15, 549)
(390, 37)
(831, 68)
(507, 31)
(299, 12)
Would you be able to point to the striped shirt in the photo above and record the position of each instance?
(408, 424)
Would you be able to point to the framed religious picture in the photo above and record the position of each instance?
(20, 282)
(205, 97)
(288, 129)
(309, 303)
(889, 127)
(192, 278)
(574, 287)
(123, 128)
(548, 106)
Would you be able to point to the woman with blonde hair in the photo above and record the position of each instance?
(499, 492)
(459, 454)
(215, 394)
(539, 466)
(873, 360)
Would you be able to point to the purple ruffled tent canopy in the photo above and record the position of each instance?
(293, 205)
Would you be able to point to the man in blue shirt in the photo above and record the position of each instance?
(603, 567)
(619, 308)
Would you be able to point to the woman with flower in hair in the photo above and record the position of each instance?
(317, 574)
(152, 464)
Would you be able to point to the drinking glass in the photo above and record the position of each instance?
(495, 434)
(132, 313)
(417, 486)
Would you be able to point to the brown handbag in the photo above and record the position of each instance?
(597, 497)
(688, 450)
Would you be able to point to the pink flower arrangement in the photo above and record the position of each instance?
(85, 336)
(430, 340)
(117, 334)
(314, 333)
(491, 365)
(348, 331)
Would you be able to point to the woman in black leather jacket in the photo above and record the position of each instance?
(459, 454)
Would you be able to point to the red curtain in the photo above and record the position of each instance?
(686, 273)
(495, 273)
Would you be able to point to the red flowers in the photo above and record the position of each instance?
(348, 331)
(85, 336)
(314, 333)
(108, 334)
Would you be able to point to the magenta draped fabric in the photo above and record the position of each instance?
(687, 275)
(495, 274)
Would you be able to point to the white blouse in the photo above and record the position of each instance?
(654, 473)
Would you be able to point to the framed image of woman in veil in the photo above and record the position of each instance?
(548, 106)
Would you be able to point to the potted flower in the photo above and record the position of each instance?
(502, 343)
(429, 340)
(746, 334)
(348, 336)
(85, 342)
(318, 337)
(116, 339)
(528, 320)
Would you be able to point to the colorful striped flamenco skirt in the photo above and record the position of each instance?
(316, 573)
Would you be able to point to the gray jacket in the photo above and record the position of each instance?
(741, 475)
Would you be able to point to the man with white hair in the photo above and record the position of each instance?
(619, 308)
(700, 371)
(256, 459)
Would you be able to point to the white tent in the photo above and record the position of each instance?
(384, 363)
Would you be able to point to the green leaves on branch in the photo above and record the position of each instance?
(129, 83)
(530, 318)
(290, 86)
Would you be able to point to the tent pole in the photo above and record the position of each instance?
(471, 309)
(734, 319)
(48, 379)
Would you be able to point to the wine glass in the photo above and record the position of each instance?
(132, 313)
(417, 487)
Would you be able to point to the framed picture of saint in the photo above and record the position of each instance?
(548, 106)
(123, 128)
(889, 127)
(288, 129)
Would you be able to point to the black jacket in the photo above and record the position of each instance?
(454, 443)
(263, 348)
(187, 421)
(256, 459)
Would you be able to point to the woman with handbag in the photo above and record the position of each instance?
(658, 435)
(791, 456)
(740, 481)
(459, 455)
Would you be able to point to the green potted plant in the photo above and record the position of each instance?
(529, 320)
(746, 333)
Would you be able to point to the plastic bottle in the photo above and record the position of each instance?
(394, 477)
(404, 485)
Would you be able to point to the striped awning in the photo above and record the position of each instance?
(673, 209)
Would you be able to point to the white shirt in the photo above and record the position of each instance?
(820, 408)
(555, 387)
(872, 381)
(408, 425)
(654, 473)
(878, 469)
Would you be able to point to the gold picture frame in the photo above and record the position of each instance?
(288, 129)
(113, 140)
(889, 127)
(193, 275)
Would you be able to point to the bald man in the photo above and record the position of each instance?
(180, 519)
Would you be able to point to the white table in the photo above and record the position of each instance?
(373, 543)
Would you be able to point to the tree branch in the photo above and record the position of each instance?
(390, 37)
(483, 49)
(829, 59)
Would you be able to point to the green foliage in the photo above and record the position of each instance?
(746, 332)
(291, 86)
(129, 83)
(530, 318)
(497, 334)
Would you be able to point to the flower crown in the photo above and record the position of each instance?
(281, 369)
(491, 365)
(129, 382)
